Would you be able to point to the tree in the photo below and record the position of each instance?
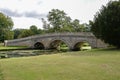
(58, 20)
(76, 25)
(8, 35)
(17, 32)
(46, 26)
(85, 27)
(34, 29)
(6, 25)
(25, 33)
(106, 23)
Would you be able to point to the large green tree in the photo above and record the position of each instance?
(6, 25)
(59, 21)
(106, 24)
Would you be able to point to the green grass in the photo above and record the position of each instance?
(2, 47)
(11, 47)
(84, 65)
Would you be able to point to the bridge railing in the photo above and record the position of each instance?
(63, 34)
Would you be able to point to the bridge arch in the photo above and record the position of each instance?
(56, 43)
(79, 44)
(39, 45)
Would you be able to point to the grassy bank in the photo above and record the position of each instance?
(3, 48)
(82, 65)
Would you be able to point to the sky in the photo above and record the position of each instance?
(25, 13)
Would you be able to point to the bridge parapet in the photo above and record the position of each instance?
(66, 33)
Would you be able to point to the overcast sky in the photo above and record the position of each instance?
(25, 13)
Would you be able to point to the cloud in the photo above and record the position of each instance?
(10, 13)
(39, 2)
(32, 14)
(19, 0)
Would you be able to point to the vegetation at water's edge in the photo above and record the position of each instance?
(12, 48)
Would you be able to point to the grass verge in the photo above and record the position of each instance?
(3, 48)
(82, 65)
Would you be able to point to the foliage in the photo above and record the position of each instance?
(58, 21)
(20, 33)
(6, 34)
(46, 26)
(77, 27)
(106, 24)
(6, 24)
(17, 32)
(34, 29)
(25, 33)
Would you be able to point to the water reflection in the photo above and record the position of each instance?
(25, 53)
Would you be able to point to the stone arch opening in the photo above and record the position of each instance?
(39, 45)
(83, 45)
(59, 45)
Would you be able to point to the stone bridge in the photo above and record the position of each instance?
(52, 40)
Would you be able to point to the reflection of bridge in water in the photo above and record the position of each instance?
(52, 40)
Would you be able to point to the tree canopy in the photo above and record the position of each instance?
(59, 21)
(6, 25)
(21, 33)
(106, 23)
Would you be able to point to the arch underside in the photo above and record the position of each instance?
(39, 45)
(81, 45)
(57, 44)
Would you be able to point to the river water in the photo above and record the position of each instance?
(24, 53)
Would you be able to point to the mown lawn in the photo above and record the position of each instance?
(82, 65)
